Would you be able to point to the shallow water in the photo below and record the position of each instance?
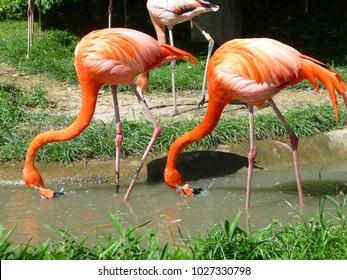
(86, 206)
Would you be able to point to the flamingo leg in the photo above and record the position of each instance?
(209, 52)
(173, 70)
(119, 134)
(125, 13)
(156, 132)
(251, 156)
(30, 14)
(294, 141)
(110, 9)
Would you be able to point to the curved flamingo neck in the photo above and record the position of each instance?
(159, 30)
(89, 98)
(209, 122)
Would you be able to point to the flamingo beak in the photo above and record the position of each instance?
(58, 194)
(197, 190)
(186, 190)
(47, 193)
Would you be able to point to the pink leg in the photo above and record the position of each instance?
(294, 141)
(30, 14)
(119, 134)
(173, 70)
(251, 156)
(156, 132)
(110, 9)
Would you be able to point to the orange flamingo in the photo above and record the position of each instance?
(109, 56)
(253, 71)
(170, 13)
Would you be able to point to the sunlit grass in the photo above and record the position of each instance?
(321, 236)
(53, 55)
(24, 115)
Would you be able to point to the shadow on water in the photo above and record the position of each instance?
(199, 165)
(316, 187)
(86, 204)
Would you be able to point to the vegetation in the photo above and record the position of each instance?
(24, 115)
(53, 56)
(323, 236)
(77, 15)
(319, 238)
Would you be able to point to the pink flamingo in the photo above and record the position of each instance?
(109, 56)
(253, 71)
(169, 13)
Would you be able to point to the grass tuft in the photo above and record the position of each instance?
(24, 115)
(321, 237)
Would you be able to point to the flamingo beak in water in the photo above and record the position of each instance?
(186, 190)
(46, 193)
(58, 194)
(197, 190)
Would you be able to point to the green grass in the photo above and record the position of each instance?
(53, 56)
(320, 237)
(26, 114)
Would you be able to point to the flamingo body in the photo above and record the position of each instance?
(118, 55)
(253, 71)
(170, 13)
(108, 56)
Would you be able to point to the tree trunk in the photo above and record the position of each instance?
(223, 25)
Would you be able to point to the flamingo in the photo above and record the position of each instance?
(169, 13)
(108, 56)
(253, 71)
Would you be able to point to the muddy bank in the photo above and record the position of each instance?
(224, 160)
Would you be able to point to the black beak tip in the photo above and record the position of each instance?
(58, 194)
(197, 190)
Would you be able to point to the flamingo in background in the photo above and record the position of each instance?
(253, 71)
(30, 15)
(109, 56)
(169, 13)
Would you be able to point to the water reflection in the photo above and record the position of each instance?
(86, 206)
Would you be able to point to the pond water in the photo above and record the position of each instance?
(85, 206)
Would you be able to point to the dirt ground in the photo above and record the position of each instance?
(66, 99)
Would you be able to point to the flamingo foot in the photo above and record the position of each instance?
(201, 102)
(172, 114)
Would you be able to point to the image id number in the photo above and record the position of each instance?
(224, 270)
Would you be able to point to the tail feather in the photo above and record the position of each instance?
(314, 69)
(169, 53)
(178, 54)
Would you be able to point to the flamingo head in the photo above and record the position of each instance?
(174, 180)
(34, 180)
